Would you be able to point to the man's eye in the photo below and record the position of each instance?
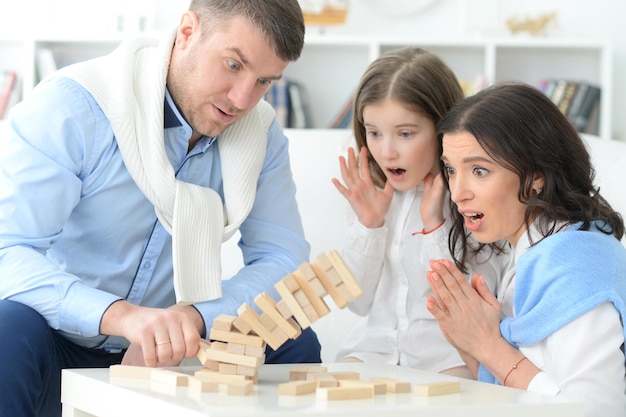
(233, 65)
(265, 81)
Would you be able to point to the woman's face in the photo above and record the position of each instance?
(484, 191)
(403, 142)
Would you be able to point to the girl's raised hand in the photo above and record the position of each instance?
(368, 202)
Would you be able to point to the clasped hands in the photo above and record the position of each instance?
(467, 312)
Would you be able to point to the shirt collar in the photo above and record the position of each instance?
(171, 116)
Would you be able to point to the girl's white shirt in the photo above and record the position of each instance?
(390, 263)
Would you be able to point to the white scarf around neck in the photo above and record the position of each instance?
(129, 85)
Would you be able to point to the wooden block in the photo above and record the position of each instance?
(291, 283)
(269, 307)
(320, 306)
(294, 306)
(324, 261)
(267, 322)
(168, 377)
(379, 387)
(257, 352)
(202, 385)
(247, 371)
(236, 337)
(130, 371)
(217, 354)
(239, 387)
(307, 271)
(213, 376)
(249, 315)
(346, 276)
(242, 325)
(224, 322)
(344, 393)
(343, 375)
(345, 293)
(437, 388)
(301, 298)
(296, 388)
(283, 309)
(394, 385)
(323, 379)
(328, 285)
(227, 368)
(318, 288)
(311, 313)
(300, 372)
(236, 348)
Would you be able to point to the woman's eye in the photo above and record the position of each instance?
(480, 172)
(448, 170)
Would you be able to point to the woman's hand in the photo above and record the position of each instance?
(368, 202)
(468, 314)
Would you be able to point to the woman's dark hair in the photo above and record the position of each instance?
(522, 130)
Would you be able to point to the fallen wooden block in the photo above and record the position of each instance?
(437, 388)
(345, 393)
(202, 385)
(300, 372)
(297, 388)
(167, 377)
(394, 385)
(130, 371)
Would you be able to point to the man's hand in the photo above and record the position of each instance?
(158, 337)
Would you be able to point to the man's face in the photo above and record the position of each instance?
(218, 79)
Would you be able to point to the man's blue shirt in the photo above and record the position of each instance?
(77, 234)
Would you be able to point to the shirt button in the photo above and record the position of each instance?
(147, 265)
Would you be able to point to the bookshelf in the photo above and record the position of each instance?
(331, 65)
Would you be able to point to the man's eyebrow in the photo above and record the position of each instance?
(245, 61)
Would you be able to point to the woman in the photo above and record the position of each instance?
(517, 170)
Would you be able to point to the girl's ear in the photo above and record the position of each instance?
(538, 182)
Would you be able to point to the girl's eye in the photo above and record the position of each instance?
(406, 134)
(480, 172)
(373, 133)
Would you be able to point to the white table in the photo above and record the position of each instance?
(89, 392)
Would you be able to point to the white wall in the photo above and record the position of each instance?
(600, 19)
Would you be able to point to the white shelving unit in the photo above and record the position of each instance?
(330, 66)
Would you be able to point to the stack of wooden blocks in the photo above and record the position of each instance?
(237, 347)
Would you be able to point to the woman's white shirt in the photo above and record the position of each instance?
(581, 361)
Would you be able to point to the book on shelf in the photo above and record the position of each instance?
(9, 91)
(344, 117)
(578, 100)
(288, 100)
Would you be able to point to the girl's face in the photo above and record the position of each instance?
(484, 191)
(403, 142)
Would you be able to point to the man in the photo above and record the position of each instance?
(119, 179)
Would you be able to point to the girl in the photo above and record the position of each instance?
(398, 199)
(518, 170)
